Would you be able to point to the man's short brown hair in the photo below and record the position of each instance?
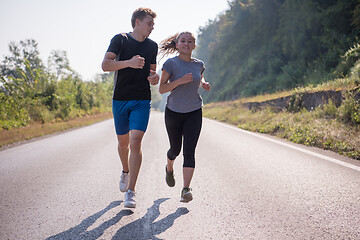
(140, 14)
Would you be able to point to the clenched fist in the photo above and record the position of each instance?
(186, 78)
(205, 85)
(153, 78)
(137, 62)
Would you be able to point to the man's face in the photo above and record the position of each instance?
(146, 25)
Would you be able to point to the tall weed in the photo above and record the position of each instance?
(349, 111)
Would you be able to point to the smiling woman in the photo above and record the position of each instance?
(182, 75)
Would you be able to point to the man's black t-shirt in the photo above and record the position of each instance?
(131, 83)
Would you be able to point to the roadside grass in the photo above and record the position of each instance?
(327, 127)
(336, 85)
(34, 130)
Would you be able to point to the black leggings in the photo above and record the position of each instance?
(187, 125)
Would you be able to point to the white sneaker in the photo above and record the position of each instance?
(129, 199)
(124, 181)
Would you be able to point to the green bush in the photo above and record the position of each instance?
(12, 112)
(39, 112)
(328, 110)
(349, 111)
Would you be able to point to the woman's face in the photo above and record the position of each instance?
(186, 43)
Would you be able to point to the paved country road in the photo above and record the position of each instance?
(246, 186)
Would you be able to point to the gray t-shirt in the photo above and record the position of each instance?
(184, 98)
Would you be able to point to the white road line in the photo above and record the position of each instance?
(345, 164)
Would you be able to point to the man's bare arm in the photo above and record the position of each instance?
(109, 63)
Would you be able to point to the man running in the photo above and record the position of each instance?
(133, 58)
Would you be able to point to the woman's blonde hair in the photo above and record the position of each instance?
(168, 46)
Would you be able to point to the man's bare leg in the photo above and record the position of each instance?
(135, 159)
(123, 149)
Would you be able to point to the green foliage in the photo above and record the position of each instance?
(12, 112)
(351, 62)
(263, 46)
(39, 112)
(329, 110)
(24, 56)
(349, 111)
(328, 126)
(295, 103)
(29, 91)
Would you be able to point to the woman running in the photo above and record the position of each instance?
(182, 76)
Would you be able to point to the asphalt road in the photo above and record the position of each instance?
(246, 186)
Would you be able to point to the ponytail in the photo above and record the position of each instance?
(168, 46)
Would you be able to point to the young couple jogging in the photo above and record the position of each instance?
(133, 58)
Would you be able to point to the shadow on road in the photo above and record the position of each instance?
(80, 231)
(143, 228)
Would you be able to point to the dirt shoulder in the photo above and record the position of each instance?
(34, 131)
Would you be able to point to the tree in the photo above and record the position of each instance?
(58, 64)
(21, 53)
(262, 46)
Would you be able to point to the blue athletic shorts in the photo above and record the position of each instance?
(131, 115)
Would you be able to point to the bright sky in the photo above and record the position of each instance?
(84, 28)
